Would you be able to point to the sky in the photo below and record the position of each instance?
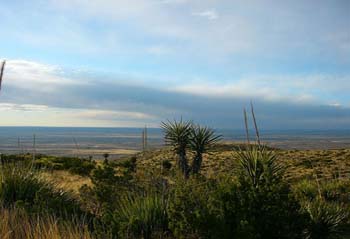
(130, 63)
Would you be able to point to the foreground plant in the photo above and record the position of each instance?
(15, 223)
(327, 220)
(264, 200)
(22, 186)
(142, 216)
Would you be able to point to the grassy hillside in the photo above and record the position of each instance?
(143, 196)
(300, 164)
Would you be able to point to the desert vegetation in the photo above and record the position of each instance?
(196, 187)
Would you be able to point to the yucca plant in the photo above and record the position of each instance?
(142, 215)
(259, 165)
(326, 220)
(202, 139)
(178, 135)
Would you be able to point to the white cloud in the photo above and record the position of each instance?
(22, 107)
(209, 14)
(111, 115)
(34, 75)
(43, 115)
(246, 91)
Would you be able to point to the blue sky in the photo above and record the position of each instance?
(136, 62)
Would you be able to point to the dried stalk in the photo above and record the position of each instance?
(246, 125)
(255, 124)
(2, 72)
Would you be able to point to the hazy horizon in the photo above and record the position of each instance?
(74, 63)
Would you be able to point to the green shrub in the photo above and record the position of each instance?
(129, 165)
(336, 191)
(266, 206)
(331, 191)
(270, 211)
(106, 189)
(74, 165)
(166, 164)
(22, 186)
(305, 190)
(190, 214)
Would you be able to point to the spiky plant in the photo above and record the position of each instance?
(22, 185)
(178, 135)
(2, 72)
(142, 215)
(326, 220)
(259, 165)
(202, 139)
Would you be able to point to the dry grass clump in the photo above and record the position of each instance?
(17, 224)
(66, 180)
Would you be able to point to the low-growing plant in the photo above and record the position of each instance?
(74, 165)
(15, 223)
(22, 186)
(166, 164)
(129, 164)
(327, 220)
(330, 191)
(105, 190)
(142, 215)
(190, 212)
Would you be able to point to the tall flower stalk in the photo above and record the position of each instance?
(2, 72)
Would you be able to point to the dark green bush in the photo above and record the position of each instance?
(107, 186)
(166, 164)
(190, 212)
(266, 205)
(129, 164)
(74, 165)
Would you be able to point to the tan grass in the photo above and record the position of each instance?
(66, 180)
(16, 224)
(329, 164)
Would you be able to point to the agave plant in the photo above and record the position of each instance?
(202, 139)
(2, 72)
(178, 135)
(326, 220)
(259, 165)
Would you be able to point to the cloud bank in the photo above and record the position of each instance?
(50, 93)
